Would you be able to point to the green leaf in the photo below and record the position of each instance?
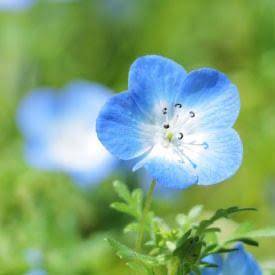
(137, 201)
(122, 190)
(128, 254)
(247, 241)
(124, 208)
(224, 250)
(140, 268)
(189, 250)
(212, 229)
(210, 248)
(209, 265)
(131, 227)
(221, 213)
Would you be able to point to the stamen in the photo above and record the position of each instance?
(164, 111)
(180, 136)
(169, 136)
(178, 105)
(192, 114)
(182, 154)
(166, 126)
(205, 145)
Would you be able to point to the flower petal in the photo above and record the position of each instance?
(83, 97)
(36, 112)
(241, 263)
(212, 97)
(122, 128)
(217, 155)
(154, 81)
(163, 165)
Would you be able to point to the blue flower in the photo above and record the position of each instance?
(15, 4)
(34, 259)
(176, 125)
(238, 262)
(36, 272)
(59, 129)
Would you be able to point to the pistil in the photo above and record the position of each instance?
(169, 136)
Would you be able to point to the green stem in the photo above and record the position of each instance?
(146, 209)
(173, 266)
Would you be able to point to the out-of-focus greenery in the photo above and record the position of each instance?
(55, 42)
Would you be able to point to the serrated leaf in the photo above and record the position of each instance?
(221, 213)
(124, 208)
(122, 190)
(126, 253)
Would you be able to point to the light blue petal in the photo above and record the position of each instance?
(15, 4)
(163, 166)
(213, 259)
(122, 128)
(37, 155)
(212, 97)
(154, 81)
(83, 98)
(36, 113)
(218, 157)
(241, 263)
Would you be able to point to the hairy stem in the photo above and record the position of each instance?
(146, 209)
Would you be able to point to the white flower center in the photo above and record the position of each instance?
(176, 123)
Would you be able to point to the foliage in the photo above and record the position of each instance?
(182, 247)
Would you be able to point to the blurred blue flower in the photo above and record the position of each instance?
(59, 129)
(36, 272)
(176, 125)
(238, 262)
(34, 258)
(15, 4)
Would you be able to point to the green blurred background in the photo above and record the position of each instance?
(53, 43)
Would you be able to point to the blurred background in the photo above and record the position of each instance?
(52, 223)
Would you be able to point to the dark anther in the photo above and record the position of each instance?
(180, 136)
(166, 126)
(192, 114)
(205, 145)
(178, 105)
(164, 111)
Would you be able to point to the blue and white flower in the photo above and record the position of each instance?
(177, 125)
(59, 129)
(238, 262)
